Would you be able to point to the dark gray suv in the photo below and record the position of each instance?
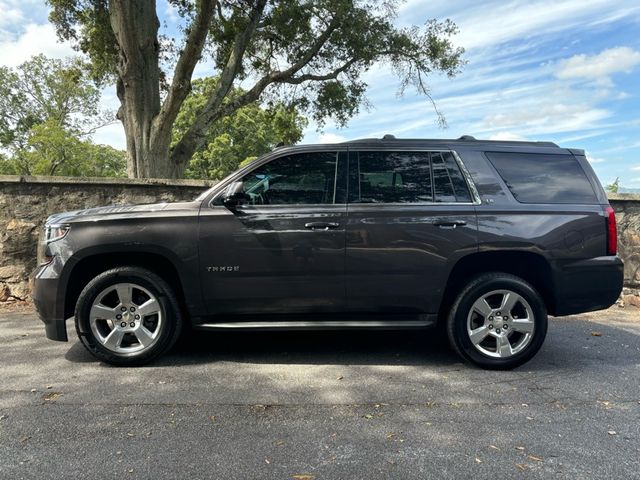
(485, 238)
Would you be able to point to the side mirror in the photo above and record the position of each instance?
(234, 195)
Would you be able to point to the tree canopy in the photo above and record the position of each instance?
(242, 136)
(308, 54)
(48, 110)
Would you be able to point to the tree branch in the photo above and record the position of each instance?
(214, 108)
(181, 83)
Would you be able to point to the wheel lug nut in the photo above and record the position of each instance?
(124, 309)
(118, 316)
(132, 324)
(497, 330)
(123, 324)
(490, 326)
(498, 313)
(133, 309)
(490, 317)
(137, 317)
(505, 326)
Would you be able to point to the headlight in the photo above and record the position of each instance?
(50, 233)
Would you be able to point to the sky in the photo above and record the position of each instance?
(562, 71)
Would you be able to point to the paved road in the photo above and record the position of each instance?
(323, 406)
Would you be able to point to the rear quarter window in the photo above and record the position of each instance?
(543, 178)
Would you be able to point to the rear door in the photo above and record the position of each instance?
(411, 216)
(284, 250)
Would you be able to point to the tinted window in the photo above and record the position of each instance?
(540, 178)
(441, 180)
(306, 178)
(460, 186)
(389, 177)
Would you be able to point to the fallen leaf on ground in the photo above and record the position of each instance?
(494, 447)
(24, 439)
(266, 460)
(51, 397)
(212, 418)
(596, 334)
(612, 432)
(521, 466)
(520, 448)
(33, 390)
(478, 460)
(534, 458)
(391, 435)
(303, 476)
(340, 377)
(368, 416)
(2, 417)
(130, 434)
(49, 387)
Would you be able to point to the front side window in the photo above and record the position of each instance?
(305, 178)
(405, 177)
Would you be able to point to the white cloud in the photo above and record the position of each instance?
(594, 160)
(636, 168)
(35, 39)
(506, 136)
(599, 67)
(331, 138)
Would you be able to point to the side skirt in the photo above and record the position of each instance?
(417, 322)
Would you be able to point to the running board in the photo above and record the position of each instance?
(424, 321)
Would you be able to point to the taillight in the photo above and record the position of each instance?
(612, 232)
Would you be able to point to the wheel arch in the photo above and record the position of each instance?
(531, 267)
(90, 264)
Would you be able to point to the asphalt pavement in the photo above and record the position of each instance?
(323, 405)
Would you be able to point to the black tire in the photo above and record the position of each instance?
(463, 314)
(169, 309)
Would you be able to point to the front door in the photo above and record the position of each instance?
(410, 218)
(283, 251)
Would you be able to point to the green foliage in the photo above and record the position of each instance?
(240, 137)
(613, 187)
(53, 150)
(48, 109)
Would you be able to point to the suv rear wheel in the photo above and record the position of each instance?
(128, 316)
(498, 321)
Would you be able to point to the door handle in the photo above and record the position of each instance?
(321, 225)
(449, 223)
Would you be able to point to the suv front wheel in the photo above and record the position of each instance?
(128, 316)
(498, 321)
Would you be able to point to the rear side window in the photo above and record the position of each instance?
(405, 177)
(541, 178)
(389, 177)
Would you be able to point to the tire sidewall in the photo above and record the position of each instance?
(155, 285)
(475, 289)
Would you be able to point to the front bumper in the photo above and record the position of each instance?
(47, 301)
(587, 285)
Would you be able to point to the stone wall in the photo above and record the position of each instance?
(25, 202)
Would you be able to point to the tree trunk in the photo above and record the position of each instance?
(135, 25)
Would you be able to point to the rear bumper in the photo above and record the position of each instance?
(587, 285)
(46, 300)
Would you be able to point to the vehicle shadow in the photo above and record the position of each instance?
(407, 347)
(569, 345)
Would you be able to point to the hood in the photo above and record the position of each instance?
(120, 211)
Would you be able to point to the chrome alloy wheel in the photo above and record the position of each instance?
(500, 324)
(126, 318)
